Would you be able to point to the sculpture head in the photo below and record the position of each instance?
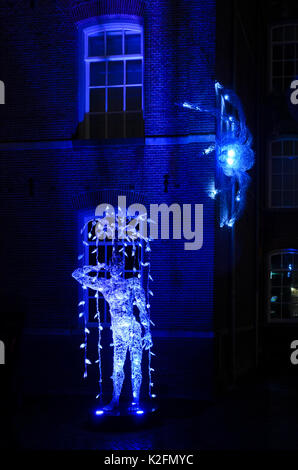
(116, 266)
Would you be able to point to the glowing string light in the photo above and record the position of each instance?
(126, 331)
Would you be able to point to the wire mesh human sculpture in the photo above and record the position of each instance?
(233, 151)
(121, 295)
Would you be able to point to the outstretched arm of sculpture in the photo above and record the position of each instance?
(81, 275)
(140, 301)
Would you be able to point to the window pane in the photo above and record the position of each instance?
(93, 260)
(276, 261)
(129, 259)
(276, 199)
(288, 198)
(277, 52)
(97, 99)
(134, 125)
(132, 43)
(276, 278)
(277, 68)
(277, 34)
(277, 84)
(287, 82)
(286, 311)
(277, 165)
(288, 166)
(134, 71)
(97, 73)
(101, 256)
(115, 73)
(97, 126)
(284, 286)
(276, 148)
(290, 33)
(115, 99)
(114, 43)
(294, 310)
(96, 45)
(115, 125)
(288, 147)
(133, 98)
(289, 68)
(284, 181)
(288, 182)
(289, 51)
(286, 294)
(275, 311)
(276, 183)
(287, 259)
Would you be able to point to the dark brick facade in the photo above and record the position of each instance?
(46, 173)
(39, 184)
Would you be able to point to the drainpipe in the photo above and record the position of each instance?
(233, 234)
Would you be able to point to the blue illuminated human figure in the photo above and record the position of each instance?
(122, 294)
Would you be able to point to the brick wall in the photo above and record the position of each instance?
(39, 184)
(39, 214)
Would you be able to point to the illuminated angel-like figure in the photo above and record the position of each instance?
(121, 295)
(232, 147)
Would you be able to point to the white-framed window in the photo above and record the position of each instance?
(283, 188)
(283, 285)
(132, 267)
(114, 71)
(284, 56)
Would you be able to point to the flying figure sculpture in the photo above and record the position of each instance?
(122, 294)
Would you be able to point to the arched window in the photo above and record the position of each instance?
(283, 285)
(284, 56)
(283, 187)
(113, 60)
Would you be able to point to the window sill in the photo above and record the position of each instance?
(128, 141)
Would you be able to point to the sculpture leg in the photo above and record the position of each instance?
(136, 351)
(120, 350)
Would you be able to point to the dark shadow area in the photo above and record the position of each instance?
(259, 414)
(12, 321)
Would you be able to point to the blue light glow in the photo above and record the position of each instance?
(233, 153)
(121, 294)
(139, 412)
(230, 223)
(212, 191)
